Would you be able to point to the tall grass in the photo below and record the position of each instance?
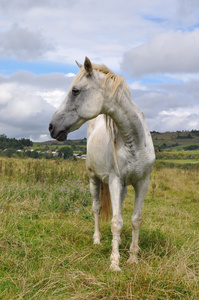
(46, 249)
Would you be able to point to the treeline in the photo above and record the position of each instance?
(194, 132)
(13, 143)
(191, 147)
(64, 152)
(11, 147)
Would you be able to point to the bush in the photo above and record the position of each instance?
(65, 152)
(9, 152)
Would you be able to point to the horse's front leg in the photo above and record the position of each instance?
(136, 219)
(95, 192)
(118, 193)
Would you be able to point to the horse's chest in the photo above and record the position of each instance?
(131, 166)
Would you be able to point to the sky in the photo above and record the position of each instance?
(153, 44)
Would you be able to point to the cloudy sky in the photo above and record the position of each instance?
(153, 44)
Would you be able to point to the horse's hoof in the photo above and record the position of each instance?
(115, 268)
(132, 260)
(96, 242)
(96, 239)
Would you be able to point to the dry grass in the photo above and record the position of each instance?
(46, 249)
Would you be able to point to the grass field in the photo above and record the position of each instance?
(46, 249)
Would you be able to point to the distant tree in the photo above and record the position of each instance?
(14, 143)
(9, 152)
(74, 147)
(195, 132)
(28, 153)
(26, 142)
(65, 152)
(34, 154)
(191, 147)
(67, 142)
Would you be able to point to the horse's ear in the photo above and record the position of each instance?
(88, 66)
(79, 65)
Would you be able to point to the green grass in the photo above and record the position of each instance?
(46, 248)
(180, 161)
(181, 164)
(178, 155)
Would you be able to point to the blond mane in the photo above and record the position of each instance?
(116, 80)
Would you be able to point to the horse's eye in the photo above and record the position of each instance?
(75, 91)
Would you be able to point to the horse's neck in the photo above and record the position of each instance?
(129, 120)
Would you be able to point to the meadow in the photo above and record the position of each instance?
(46, 229)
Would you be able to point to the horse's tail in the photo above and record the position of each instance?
(105, 201)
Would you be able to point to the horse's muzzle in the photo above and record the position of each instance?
(59, 136)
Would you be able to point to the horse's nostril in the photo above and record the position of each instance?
(50, 127)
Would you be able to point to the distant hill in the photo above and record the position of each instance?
(179, 140)
(67, 142)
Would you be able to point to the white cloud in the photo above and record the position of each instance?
(169, 107)
(30, 4)
(21, 43)
(171, 52)
(27, 103)
(52, 97)
(174, 123)
(103, 30)
(70, 75)
(136, 85)
(46, 82)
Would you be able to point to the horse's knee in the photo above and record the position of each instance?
(116, 228)
(96, 207)
(136, 221)
(116, 225)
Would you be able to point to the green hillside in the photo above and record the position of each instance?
(175, 141)
(57, 143)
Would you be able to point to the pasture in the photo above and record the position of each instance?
(46, 229)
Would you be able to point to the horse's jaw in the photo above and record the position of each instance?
(60, 133)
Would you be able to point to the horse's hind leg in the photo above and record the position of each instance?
(95, 192)
(136, 219)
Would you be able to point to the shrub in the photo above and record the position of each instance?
(65, 152)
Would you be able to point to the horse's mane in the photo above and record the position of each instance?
(116, 80)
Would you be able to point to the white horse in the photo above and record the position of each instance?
(120, 150)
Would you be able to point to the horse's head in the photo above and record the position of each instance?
(84, 101)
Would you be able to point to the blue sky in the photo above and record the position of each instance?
(153, 44)
(10, 66)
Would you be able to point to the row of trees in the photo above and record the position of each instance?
(13, 143)
(191, 147)
(64, 152)
(11, 147)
